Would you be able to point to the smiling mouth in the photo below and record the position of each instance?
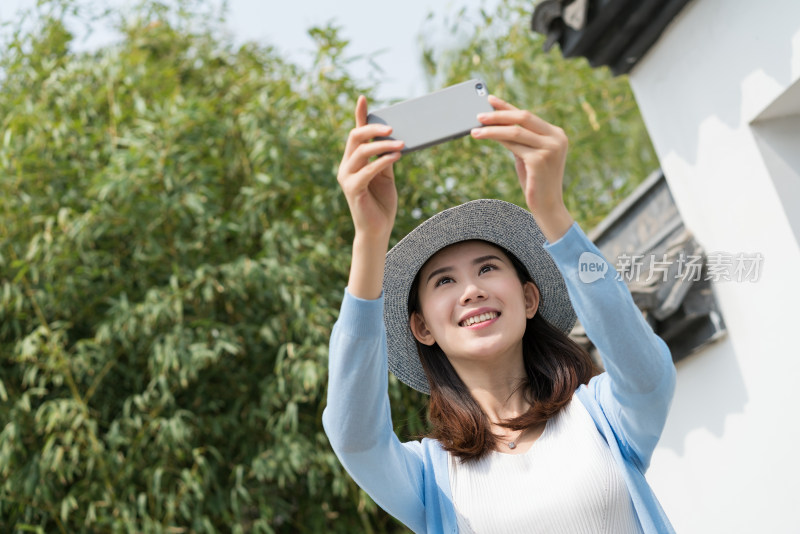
(482, 318)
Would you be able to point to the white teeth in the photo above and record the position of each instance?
(479, 318)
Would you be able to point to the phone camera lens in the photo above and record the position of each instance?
(479, 86)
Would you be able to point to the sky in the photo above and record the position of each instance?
(370, 27)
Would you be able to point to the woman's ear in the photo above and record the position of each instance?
(420, 329)
(531, 293)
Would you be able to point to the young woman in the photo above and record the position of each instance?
(474, 307)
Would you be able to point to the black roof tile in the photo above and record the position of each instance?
(616, 33)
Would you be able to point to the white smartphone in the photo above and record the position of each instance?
(437, 117)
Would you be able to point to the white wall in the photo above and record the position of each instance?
(729, 460)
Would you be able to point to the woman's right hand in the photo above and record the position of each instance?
(369, 185)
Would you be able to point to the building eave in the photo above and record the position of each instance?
(615, 33)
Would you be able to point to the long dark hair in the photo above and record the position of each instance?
(554, 366)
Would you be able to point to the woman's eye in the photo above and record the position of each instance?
(443, 280)
(486, 268)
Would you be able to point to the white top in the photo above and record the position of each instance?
(567, 482)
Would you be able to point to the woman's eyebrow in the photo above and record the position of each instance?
(440, 270)
(487, 258)
(476, 261)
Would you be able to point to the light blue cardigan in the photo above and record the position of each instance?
(628, 402)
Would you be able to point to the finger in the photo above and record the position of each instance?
(516, 149)
(362, 134)
(514, 134)
(361, 111)
(361, 120)
(499, 103)
(375, 167)
(365, 151)
(524, 118)
(361, 180)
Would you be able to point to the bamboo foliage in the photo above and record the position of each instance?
(173, 252)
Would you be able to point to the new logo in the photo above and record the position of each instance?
(591, 267)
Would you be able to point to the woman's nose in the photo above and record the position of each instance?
(472, 292)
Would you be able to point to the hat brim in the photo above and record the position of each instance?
(495, 221)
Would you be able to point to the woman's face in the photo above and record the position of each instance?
(473, 304)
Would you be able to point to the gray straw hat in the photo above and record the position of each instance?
(495, 221)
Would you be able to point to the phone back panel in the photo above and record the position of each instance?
(437, 117)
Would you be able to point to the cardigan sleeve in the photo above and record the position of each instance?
(357, 418)
(636, 390)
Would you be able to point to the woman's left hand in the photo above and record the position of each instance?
(540, 154)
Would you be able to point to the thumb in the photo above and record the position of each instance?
(361, 111)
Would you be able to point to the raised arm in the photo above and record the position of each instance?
(637, 388)
(371, 195)
(357, 418)
(540, 154)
